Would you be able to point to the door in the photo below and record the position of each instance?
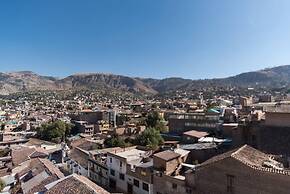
(112, 183)
(129, 188)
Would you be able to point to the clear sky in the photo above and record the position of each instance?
(146, 38)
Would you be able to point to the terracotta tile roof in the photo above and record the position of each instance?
(78, 142)
(75, 184)
(41, 186)
(197, 134)
(249, 156)
(217, 158)
(37, 174)
(245, 154)
(37, 165)
(52, 168)
(38, 142)
(167, 155)
(38, 154)
(21, 154)
(34, 165)
(84, 144)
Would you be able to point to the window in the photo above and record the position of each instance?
(136, 183)
(112, 172)
(230, 184)
(110, 160)
(145, 187)
(122, 176)
(121, 164)
(174, 186)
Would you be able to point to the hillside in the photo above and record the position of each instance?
(29, 81)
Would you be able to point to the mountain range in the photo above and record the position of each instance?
(28, 81)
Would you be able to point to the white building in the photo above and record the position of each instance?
(130, 171)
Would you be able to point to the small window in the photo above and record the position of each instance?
(143, 173)
(136, 183)
(122, 176)
(121, 164)
(112, 172)
(145, 187)
(110, 160)
(174, 186)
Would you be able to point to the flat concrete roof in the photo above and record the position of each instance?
(133, 154)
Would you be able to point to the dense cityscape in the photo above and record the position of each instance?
(108, 141)
(144, 97)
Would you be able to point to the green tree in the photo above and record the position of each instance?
(150, 138)
(154, 120)
(54, 131)
(114, 141)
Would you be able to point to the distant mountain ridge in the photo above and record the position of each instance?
(30, 81)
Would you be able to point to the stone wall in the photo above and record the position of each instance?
(213, 179)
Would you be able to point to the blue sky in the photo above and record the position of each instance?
(146, 38)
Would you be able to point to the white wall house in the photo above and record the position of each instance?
(118, 176)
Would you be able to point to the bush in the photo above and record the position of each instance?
(2, 185)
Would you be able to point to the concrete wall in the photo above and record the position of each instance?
(98, 174)
(113, 163)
